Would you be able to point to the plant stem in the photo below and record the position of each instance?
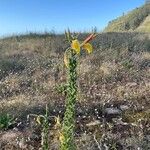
(69, 117)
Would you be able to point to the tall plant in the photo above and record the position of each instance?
(70, 60)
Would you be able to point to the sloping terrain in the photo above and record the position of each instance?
(145, 26)
(132, 21)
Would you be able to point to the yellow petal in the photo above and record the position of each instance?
(75, 45)
(57, 120)
(66, 60)
(38, 119)
(88, 47)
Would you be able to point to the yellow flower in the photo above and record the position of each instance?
(88, 47)
(75, 45)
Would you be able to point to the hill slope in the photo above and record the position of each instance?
(135, 20)
(145, 26)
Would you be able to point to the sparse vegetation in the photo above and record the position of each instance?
(115, 76)
(135, 20)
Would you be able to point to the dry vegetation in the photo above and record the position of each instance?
(113, 100)
(135, 20)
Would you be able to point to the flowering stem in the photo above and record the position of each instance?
(70, 60)
(69, 118)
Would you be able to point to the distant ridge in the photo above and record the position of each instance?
(135, 20)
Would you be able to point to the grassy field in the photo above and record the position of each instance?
(113, 98)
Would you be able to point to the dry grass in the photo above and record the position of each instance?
(113, 75)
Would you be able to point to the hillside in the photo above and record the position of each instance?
(145, 25)
(135, 20)
(115, 77)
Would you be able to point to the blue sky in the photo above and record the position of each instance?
(20, 16)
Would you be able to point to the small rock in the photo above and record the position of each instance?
(131, 84)
(80, 111)
(93, 123)
(22, 144)
(124, 107)
(112, 111)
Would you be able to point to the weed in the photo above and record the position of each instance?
(42, 120)
(6, 121)
(70, 59)
(45, 131)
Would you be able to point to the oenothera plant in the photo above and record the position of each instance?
(70, 59)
